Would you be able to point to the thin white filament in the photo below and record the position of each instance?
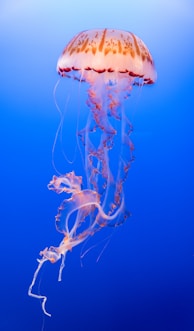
(37, 296)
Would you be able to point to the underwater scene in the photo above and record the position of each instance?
(97, 151)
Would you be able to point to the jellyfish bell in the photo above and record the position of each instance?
(119, 54)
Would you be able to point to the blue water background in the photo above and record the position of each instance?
(145, 277)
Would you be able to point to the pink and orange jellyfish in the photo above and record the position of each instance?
(111, 62)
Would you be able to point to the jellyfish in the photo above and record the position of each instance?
(111, 62)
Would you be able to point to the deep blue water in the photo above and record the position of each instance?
(145, 277)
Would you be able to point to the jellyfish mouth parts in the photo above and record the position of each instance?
(84, 212)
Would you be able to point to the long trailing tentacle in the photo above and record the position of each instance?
(38, 296)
